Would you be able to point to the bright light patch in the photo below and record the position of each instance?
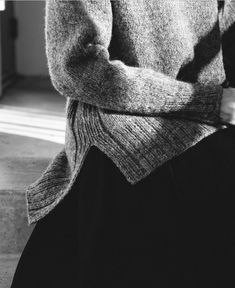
(2, 5)
(22, 122)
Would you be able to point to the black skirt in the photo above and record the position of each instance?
(171, 229)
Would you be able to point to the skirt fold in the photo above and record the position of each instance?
(171, 229)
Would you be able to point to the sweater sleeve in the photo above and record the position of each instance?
(78, 34)
(227, 27)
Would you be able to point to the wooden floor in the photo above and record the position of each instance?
(32, 124)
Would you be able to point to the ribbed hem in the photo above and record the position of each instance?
(136, 163)
(55, 183)
(136, 147)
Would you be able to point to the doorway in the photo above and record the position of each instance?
(8, 36)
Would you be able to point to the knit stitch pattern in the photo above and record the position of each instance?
(142, 79)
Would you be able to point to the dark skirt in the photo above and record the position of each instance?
(171, 229)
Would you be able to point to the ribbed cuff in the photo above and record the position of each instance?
(216, 94)
(208, 100)
(205, 104)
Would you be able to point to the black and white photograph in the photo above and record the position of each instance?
(117, 143)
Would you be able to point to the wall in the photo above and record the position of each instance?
(30, 45)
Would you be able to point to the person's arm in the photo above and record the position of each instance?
(78, 34)
(227, 27)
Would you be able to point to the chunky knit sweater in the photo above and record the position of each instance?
(142, 79)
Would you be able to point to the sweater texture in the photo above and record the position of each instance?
(143, 82)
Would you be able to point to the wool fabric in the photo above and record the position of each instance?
(142, 80)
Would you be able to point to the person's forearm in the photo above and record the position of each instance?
(77, 40)
(227, 112)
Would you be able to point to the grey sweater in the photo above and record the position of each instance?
(142, 79)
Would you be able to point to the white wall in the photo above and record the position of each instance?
(30, 45)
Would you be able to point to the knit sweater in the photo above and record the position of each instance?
(142, 79)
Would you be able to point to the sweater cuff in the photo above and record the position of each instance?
(208, 101)
(215, 92)
(206, 104)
